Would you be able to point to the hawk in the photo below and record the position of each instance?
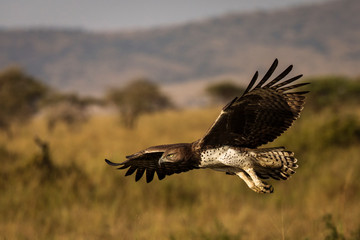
(263, 112)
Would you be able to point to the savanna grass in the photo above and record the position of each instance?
(80, 197)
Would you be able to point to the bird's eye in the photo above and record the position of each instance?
(170, 155)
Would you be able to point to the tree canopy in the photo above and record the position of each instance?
(224, 91)
(138, 97)
(20, 96)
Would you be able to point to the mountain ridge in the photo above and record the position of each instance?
(319, 39)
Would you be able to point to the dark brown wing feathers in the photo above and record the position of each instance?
(280, 76)
(252, 82)
(260, 115)
(147, 161)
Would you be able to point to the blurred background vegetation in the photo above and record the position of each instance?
(54, 183)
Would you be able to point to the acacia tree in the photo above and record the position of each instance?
(20, 96)
(138, 97)
(224, 91)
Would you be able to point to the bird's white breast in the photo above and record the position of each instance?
(224, 155)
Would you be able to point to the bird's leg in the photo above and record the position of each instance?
(244, 176)
(254, 182)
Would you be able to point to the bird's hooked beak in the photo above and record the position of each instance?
(161, 160)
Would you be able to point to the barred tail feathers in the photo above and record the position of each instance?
(276, 163)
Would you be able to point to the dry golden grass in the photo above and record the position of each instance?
(83, 198)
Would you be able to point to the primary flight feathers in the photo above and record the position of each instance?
(263, 112)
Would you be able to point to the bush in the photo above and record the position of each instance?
(70, 109)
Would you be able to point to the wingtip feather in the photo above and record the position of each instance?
(268, 73)
(252, 82)
(280, 76)
(112, 163)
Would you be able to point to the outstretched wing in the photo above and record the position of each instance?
(148, 161)
(260, 115)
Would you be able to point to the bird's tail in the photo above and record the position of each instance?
(276, 163)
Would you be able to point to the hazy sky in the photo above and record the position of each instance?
(120, 14)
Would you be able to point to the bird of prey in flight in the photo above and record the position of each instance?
(265, 110)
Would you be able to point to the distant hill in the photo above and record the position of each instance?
(317, 39)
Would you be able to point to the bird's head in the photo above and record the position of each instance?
(175, 154)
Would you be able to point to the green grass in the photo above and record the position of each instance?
(80, 197)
